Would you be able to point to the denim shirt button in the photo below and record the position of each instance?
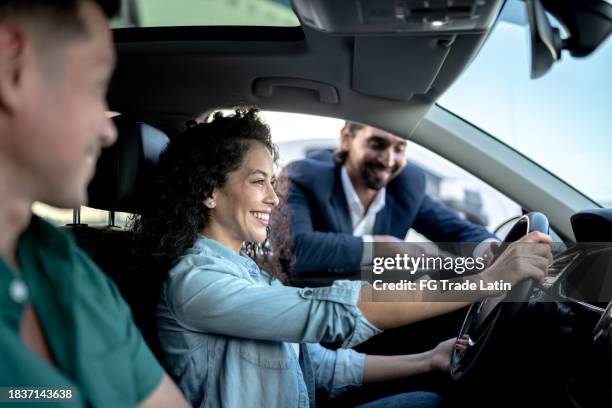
(308, 292)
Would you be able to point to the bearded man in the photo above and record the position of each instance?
(358, 203)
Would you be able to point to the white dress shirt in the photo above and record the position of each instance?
(363, 223)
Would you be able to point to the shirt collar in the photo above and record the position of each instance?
(217, 248)
(353, 200)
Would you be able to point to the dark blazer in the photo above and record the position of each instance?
(321, 225)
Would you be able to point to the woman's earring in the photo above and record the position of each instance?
(210, 203)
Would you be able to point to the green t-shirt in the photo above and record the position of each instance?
(98, 350)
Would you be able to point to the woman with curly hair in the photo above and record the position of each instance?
(231, 333)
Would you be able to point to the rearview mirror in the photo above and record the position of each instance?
(546, 43)
(586, 23)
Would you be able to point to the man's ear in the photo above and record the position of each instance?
(12, 56)
(345, 138)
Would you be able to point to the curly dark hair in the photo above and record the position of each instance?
(191, 167)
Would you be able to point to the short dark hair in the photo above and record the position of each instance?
(353, 127)
(341, 155)
(62, 15)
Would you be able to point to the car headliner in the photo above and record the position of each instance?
(168, 75)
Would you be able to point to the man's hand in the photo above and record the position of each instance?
(528, 257)
(490, 252)
(388, 246)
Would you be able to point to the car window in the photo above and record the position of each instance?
(164, 13)
(296, 135)
(89, 216)
(561, 121)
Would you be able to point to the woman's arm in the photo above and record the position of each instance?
(387, 368)
(527, 258)
(210, 299)
(205, 295)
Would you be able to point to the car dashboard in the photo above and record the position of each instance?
(578, 293)
(582, 274)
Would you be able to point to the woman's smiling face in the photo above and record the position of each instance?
(240, 210)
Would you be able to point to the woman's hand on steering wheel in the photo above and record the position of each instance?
(439, 356)
(528, 257)
(522, 260)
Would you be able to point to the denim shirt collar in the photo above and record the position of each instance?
(216, 248)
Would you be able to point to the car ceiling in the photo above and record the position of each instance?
(168, 75)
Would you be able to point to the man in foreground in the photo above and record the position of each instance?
(63, 324)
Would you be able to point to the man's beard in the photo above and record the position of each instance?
(368, 178)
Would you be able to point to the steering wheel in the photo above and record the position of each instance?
(484, 316)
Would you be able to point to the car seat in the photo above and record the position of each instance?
(125, 174)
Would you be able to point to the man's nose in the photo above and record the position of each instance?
(108, 135)
(388, 157)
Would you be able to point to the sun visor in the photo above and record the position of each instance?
(403, 48)
(398, 67)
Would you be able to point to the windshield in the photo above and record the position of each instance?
(561, 121)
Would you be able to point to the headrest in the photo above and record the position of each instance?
(126, 171)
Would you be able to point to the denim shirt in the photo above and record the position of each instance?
(225, 329)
